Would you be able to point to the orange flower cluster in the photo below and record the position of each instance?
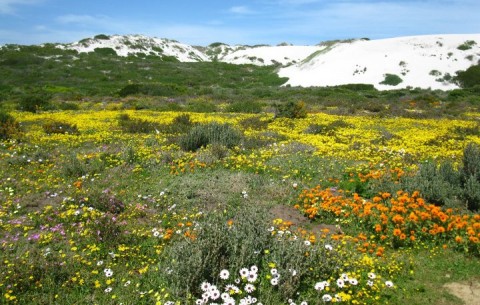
(398, 220)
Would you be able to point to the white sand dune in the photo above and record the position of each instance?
(418, 60)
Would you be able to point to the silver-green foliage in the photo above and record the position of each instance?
(243, 243)
(211, 133)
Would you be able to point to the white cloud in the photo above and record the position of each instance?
(9, 6)
(241, 10)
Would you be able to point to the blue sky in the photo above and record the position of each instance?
(235, 22)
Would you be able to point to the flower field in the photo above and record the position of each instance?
(115, 207)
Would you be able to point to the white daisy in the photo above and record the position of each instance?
(329, 247)
(274, 281)
(307, 243)
(232, 288)
(108, 290)
(252, 277)
(205, 286)
(249, 288)
(99, 263)
(353, 282)
(225, 296)
(254, 269)
(199, 302)
(327, 298)
(224, 274)
(244, 272)
(215, 294)
(273, 271)
(340, 283)
(108, 272)
(389, 284)
(371, 275)
(370, 283)
(319, 286)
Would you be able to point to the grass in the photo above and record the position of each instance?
(433, 268)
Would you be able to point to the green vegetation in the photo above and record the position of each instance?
(391, 80)
(212, 133)
(467, 45)
(469, 78)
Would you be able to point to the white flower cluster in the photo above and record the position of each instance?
(213, 295)
(344, 281)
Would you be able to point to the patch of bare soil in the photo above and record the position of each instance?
(288, 213)
(468, 291)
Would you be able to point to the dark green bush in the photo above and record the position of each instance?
(201, 107)
(254, 122)
(467, 45)
(35, 101)
(292, 110)
(105, 51)
(68, 106)
(391, 80)
(130, 125)
(245, 107)
(9, 127)
(327, 129)
(102, 37)
(130, 89)
(181, 123)
(60, 128)
(469, 78)
(212, 133)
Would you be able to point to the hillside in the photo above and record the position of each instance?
(427, 62)
(420, 61)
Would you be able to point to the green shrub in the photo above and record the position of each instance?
(471, 161)
(245, 107)
(68, 106)
(35, 101)
(181, 123)
(437, 184)
(327, 129)
(60, 128)
(201, 106)
(105, 202)
(242, 243)
(471, 193)
(292, 110)
(130, 125)
(467, 45)
(468, 78)
(254, 122)
(212, 133)
(130, 89)
(391, 80)
(74, 167)
(102, 37)
(105, 51)
(9, 127)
